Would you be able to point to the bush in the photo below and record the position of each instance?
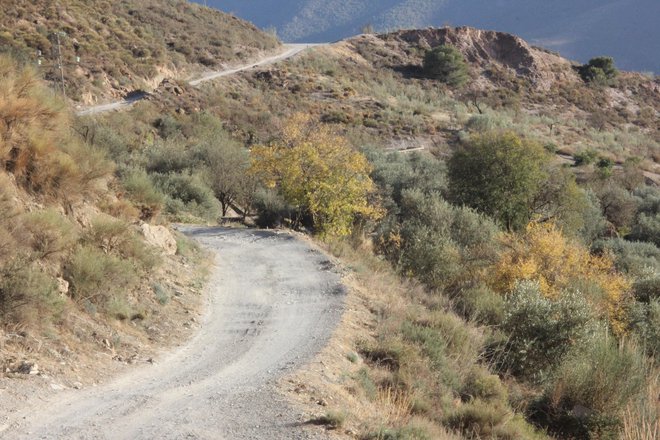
(480, 384)
(446, 64)
(116, 237)
(499, 175)
(585, 157)
(97, 277)
(599, 70)
(481, 304)
(479, 419)
(634, 258)
(144, 195)
(542, 330)
(194, 195)
(590, 390)
(50, 234)
(647, 287)
(271, 209)
(27, 295)
(646, 228)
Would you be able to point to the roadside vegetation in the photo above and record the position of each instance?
(76, 273)
(516, 291)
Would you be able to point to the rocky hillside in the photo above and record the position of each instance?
(485, 49)
(110, 48)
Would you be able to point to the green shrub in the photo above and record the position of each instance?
(49, 233)
(118, 238)
(108, 234)
(590, 390)
(646, 286)
(542, 330)
(446, 64)
(498, 174)
(644, 320)
(585, 157)
(480, 384)
(162, 293)
(646, 228)
(27, 295)
(271, 209)
(487, 122)
(599, 70)
(481, 304)
(479, 419)
(168, 126)
(143, 193)
(633, 258)
(370, 388)
(97, 277)
(619, 206)
(118, 308)
(193, 194)
(332, 420)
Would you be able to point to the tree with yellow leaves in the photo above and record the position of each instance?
(318, 173)
(542, 254)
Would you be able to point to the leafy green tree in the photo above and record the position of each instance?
(499, 174)
(599, 70)
(445, 63)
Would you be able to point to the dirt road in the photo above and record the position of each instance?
(290, 50)
(273, 303)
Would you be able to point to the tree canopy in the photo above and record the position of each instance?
(445, 63)
(317, 172)
(499, 174)
(599, 70)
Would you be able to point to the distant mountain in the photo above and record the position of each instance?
(578, 29)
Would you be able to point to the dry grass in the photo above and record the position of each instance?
(396, 388)
(641, 420)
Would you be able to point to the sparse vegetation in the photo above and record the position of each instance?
(124, 45)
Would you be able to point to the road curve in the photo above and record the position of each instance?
(273, 303)
(290, 50)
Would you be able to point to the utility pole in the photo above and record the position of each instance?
(60, 64)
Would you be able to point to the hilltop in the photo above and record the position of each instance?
(126, 45)
(579, 30)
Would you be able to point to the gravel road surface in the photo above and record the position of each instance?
(273, 303)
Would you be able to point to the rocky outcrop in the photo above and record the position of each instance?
(160, 237)
(484, 49)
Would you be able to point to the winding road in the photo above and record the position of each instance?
(273, 303)
(290, 50)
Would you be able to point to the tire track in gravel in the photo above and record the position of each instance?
(273, 304)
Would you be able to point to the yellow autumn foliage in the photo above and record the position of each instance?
(317, 171)
(544, 255)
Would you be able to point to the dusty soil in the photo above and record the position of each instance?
(273, 303)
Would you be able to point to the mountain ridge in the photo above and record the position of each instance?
(580, 30)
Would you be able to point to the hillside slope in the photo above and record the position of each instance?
(625, 29)
(126, 45)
